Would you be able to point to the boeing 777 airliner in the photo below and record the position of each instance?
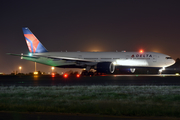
(104, 62)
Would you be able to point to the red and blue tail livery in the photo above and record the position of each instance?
(33, 43)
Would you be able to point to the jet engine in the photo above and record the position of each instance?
(105, 67)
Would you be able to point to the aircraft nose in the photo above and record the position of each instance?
(172, 61)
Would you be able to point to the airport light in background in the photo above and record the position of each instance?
(20, 68)
(35, 66)
(53, 74)
(35, 73)
(52, 68)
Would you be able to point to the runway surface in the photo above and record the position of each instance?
(121, 80)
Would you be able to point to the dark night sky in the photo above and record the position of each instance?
(88, 25)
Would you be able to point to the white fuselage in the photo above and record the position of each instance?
(131, 59)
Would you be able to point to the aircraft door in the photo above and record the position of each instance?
(154, 58)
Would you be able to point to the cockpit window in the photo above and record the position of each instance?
(168, 58)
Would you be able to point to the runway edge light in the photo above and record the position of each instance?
(65, 75)
(77, 75)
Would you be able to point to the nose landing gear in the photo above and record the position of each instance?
(132, 70)
(161, 70)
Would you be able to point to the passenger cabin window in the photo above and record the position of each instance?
(168, 58)
(91, 58)
(106, 58)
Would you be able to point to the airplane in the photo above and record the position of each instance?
(102, 62)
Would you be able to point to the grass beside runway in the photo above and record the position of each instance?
(105, 100)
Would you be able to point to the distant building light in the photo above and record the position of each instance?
(20, 69)
(35, 73)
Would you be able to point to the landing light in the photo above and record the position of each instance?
(177, 74)
(114, 63)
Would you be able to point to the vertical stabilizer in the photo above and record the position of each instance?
(34, 45)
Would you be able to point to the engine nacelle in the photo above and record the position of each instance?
(105, 67)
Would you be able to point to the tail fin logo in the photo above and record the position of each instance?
(34, 45)
(32, 42)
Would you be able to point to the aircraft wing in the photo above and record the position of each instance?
(54, 58)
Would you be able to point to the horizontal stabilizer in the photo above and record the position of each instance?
(55, 58)
(21, 55)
